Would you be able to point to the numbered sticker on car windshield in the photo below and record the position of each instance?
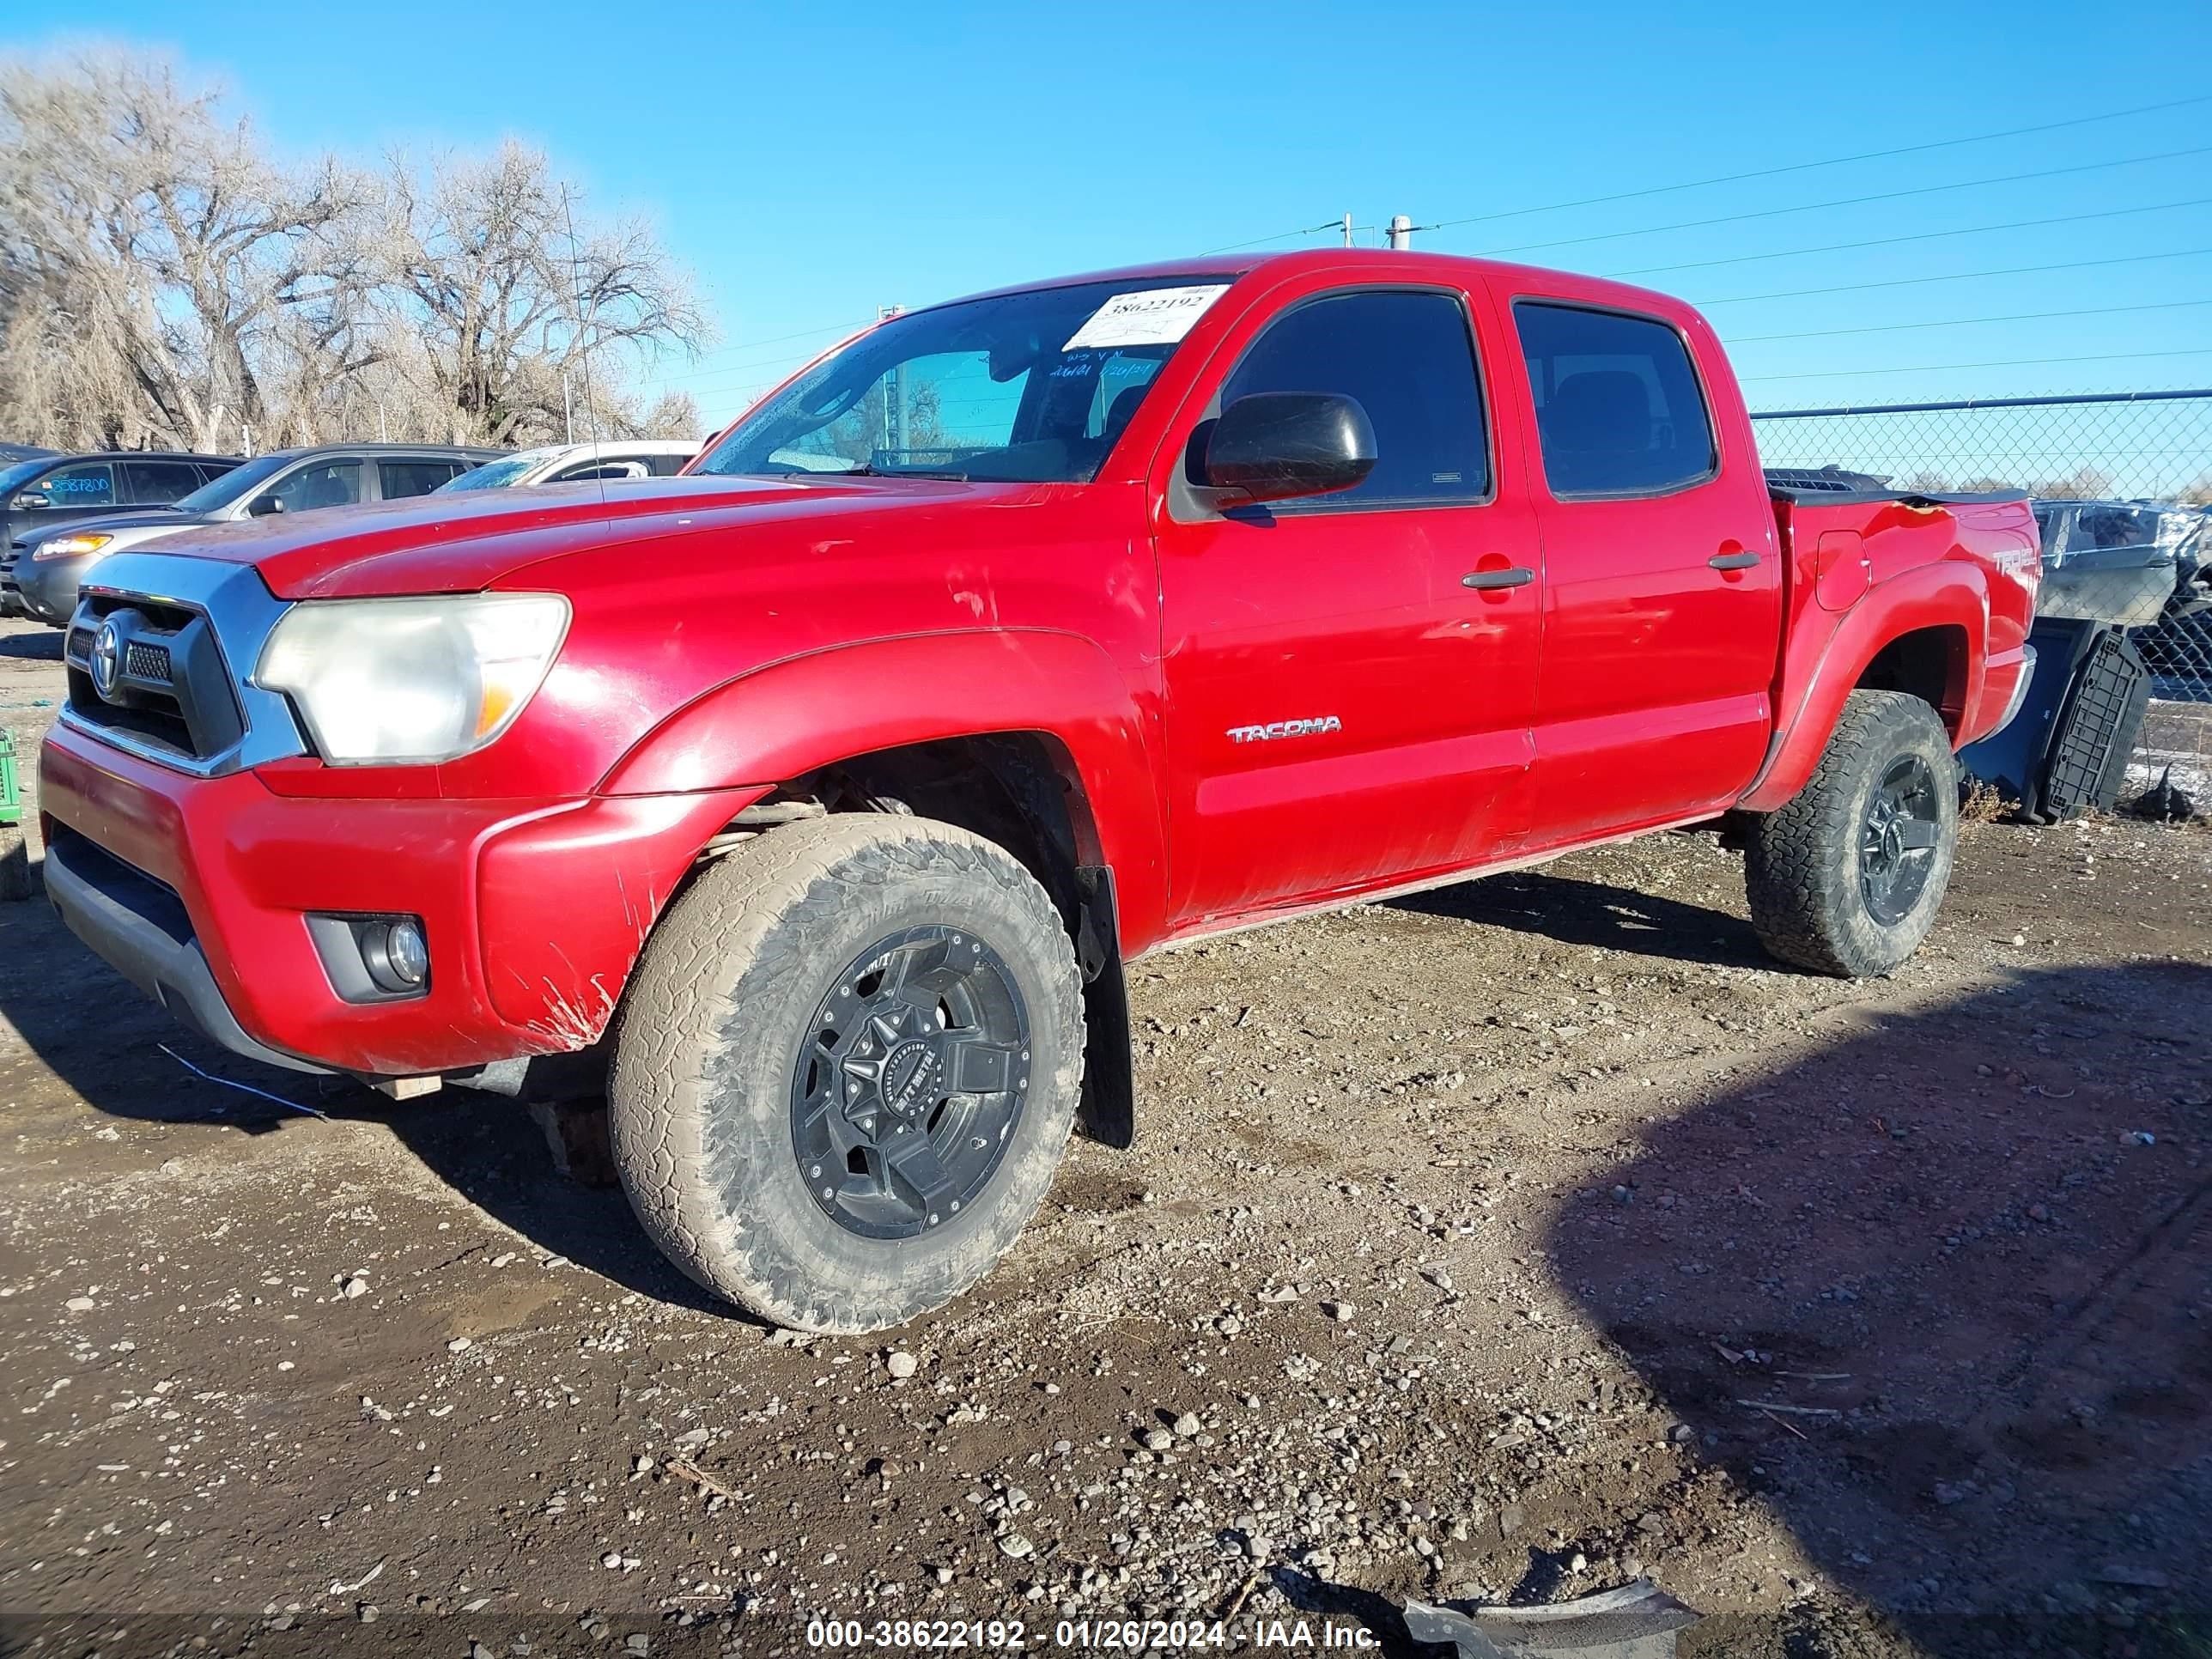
(1152, 316)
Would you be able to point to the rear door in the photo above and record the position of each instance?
(1343, 711)
(1663, 593)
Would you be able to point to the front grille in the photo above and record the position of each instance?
(172, 691)
(146, 662)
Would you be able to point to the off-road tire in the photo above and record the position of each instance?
(711, 1028)
(1802, 865)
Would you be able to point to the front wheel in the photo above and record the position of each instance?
(1847, 878)
(846, 1070)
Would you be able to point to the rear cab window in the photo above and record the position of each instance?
(1407, 357)
(1618, 409)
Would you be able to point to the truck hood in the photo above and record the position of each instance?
(469, 540)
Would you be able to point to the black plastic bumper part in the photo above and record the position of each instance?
(139, 927)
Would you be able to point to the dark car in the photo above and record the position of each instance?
(11, 453)
(39, 571)
(45, 490)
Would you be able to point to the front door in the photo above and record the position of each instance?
(1343, 711)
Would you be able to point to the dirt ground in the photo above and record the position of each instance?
(1507, 1243)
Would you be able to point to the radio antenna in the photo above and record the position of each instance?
(583, 336)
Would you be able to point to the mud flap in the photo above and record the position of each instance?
(1108, 1113)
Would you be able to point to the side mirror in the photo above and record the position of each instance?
(30, 501)
(262, 505)
(1276, 444)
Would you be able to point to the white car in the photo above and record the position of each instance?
(615, 458)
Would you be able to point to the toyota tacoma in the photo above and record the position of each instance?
(814, 800)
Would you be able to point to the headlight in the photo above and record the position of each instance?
(69, 547)
(412, 681)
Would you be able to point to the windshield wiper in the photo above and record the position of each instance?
(864, 470)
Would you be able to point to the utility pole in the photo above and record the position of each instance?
(895, 432)
(568, 409)
(1401, 231)
(1347, 230)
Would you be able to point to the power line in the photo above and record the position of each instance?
(1956, 277)
(773, 339)
(1916, 236)
(1833, 161)
(1846, 201)
(1968, 322)
(1999, 362)
(1280, 236)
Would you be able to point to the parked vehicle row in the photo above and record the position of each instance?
(1013, 638)
(61, 519)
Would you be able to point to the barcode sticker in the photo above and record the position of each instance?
(1152, 316)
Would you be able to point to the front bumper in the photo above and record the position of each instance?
(45, 588)
(197, 889)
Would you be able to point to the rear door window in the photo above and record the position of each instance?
(157, 483)
(1619, 409)
(668, 466)
(400, 479)
(1407, 358)
(87, 484)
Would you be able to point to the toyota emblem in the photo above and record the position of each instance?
(106, 659)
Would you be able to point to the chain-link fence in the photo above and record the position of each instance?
(2150, 446)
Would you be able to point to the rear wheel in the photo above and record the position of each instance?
(1847, 877)
(846, 1070)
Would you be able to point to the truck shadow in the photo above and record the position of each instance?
(104, 1041)
(1940, 1297)
(1572, 911)
(45, 645)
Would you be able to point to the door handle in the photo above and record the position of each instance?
(1485, 581)
(1733, 560)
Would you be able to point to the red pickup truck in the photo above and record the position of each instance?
(817, 796)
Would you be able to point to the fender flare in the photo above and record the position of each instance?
(1950, 593)
(803, 713)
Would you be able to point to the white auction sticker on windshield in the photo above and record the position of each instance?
(1152, 316)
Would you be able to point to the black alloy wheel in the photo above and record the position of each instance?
(1898, 840)
(910, 1082)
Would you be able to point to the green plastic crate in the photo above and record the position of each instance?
(11, 798)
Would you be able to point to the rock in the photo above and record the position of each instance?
(612, 1559)
(1187, 1425)
(1339, 1312)
(943, 1575)
(1258, 1545)
(1017, 1546)
(901, 1364)
(1158, 1440)
(460, 1344)
(81, 1304)
(694, 1438)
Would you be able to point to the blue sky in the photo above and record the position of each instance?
(811, 163)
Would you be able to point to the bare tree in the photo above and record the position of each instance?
(163, 256)
(162, 280)
(509, 299)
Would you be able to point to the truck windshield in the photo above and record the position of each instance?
(1029, 387)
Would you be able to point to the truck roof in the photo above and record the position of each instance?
(1402, 265)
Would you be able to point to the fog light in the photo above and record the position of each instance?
(396, 954)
